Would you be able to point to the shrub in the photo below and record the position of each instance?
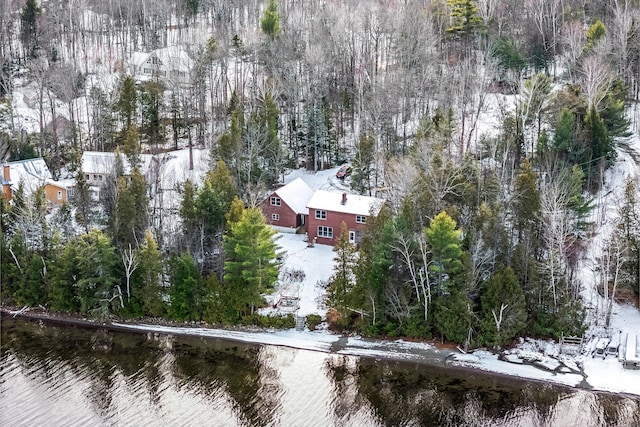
(313, 320)
(275, 322)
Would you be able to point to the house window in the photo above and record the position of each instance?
(325, 231)
(321, 214)
(154, 60)
(146, 70)
(100, 177)
(59, 195)
(361, 219)
(275, 201)
(352, 236)
(275, 217)
(86, 177)
(95, 177)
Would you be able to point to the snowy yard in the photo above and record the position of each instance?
(533, 359)
(544, 360)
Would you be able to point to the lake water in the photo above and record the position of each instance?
(68, 376)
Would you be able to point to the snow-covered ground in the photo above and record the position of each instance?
(533, 359)
(546, 362)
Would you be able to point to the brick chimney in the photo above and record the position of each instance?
(344, 199)
(6, 171)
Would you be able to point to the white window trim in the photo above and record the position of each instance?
(352, 236)
(275, 217)
(59, 194)
(325, 232)
(321, 214)
(361, 219)
(276, 201)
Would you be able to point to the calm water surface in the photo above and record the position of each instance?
(67, 376)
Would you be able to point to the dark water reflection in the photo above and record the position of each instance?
(61, 376)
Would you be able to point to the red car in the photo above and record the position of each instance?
(344, 171)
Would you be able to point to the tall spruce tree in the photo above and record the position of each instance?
(147, 278)
(453, 317)
(340, 291)
(251, 266)
(189, 214)
(503, 308)
(96, 261)
(373, 269)
(62, 295)
(444, 241)
(526, 204)
(185, 293)
(365, 154)
(600, 146)
(130, 218)
(270, 22)
(629, 226)
(29, 27)
(564, 133)
(127, 102)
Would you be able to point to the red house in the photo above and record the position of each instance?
(328, 210)
(287, 206)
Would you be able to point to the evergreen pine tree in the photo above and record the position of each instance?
(96, 261)
(373, 268)
(595, 32)
(453, 316)
(527, 199)
(213, 302)
(339, 292)
(465, 20)
(503, 308)
(250, 266)
(629, 226)
(184, 294)
(151, 99)
(63, 281)
(14, 269)
(29, 27)
(230, 145)
(270, 22)
(188, 213)
(272, 153)
(564, 131)
(446, 251)
(365, 152)
(600, 144)
(132, 145)
(126, 104)
(147, 278)
(235, 212)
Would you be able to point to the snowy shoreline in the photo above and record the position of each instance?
(625, 382)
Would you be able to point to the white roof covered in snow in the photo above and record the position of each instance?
(32, 173)
(171, 58)
(355, 204)
(100, 162)
(296, 194)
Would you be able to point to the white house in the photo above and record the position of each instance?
(170, 64)
(98, 165)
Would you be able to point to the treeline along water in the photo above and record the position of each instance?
(65, 376)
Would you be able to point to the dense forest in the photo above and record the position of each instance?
(483, 231)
